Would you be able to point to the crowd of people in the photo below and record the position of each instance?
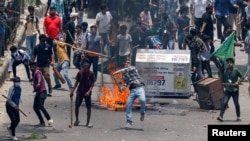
(158, 24)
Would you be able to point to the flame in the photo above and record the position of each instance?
(112, 97)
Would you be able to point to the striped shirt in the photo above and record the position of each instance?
(130, 76)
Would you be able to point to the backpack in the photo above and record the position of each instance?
(19, 52)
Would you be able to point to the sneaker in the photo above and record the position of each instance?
(142, 116)
(129, 124)
(220, 118)
(49, 95)
(89, 125)
(14, 138)
(40, 125)
(76, 123)
(57, 87)
(50, 122)
(238, 119)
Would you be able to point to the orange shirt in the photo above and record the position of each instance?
(61, 52)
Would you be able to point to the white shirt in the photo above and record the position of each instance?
(20, 55)
(104, 21)
(124, 44)
(199, 7)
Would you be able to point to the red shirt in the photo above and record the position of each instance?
(86, 80)
(53, 25)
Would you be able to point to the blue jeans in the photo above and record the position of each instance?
(80, 20)
(169, 44)
(64, 67)
(227, 96)
(134, 93)
(181, 38)
(30, 44)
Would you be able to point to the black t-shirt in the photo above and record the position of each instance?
(182, 21)
(43, 53)
(232, 9)
(70, 26)
(137, 37)
(207, 18)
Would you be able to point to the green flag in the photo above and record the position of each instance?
(226, 50)
(108, 66)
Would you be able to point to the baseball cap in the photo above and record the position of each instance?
(73, 14)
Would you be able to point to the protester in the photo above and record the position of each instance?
(132, 79)
(94, 44)
(78, 44)
(137, 33)
(40, 96)
(146, 17)
(169, 32)
(43, 55)
(103, 19)
(124, 41)
(247, 49)
(63, 64)
(198, 8)
(112, 34)
(52, 26)
(231, 77)
(183, 26)
(70, 32)
(3, 17)
(31, 30)
(18, 56)
(12, 106)
(205, 54)
(208, 25)
(85, 80)
(221, 8)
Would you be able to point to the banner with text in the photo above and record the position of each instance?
(165, 72)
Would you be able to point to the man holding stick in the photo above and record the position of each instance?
(132, 78)
(86, 79)
(63, 64)
(12, 106)
(70, 32)
(231, 79)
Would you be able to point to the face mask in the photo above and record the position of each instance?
(13, 54)
(17, 84)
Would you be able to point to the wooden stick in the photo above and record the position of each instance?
(231, 84)
(70, 35)
(84, 50)
(71, 111)
(19, 109)
(118, 85)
